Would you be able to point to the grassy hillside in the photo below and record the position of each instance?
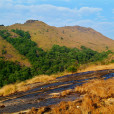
(10, 53)
(71, 36)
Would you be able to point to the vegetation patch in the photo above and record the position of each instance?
(11, 72)
(57, 59)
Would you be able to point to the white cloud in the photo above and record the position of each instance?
(47, 10)
(49, 13)
(89, 10)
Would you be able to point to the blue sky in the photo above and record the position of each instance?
(97, 14)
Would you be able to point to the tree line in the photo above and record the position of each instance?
(57, 59)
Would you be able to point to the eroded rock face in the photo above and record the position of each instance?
(30, 21)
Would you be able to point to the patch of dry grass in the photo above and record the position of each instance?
(66, 92)
(41, 78)
(98, 88)
(93, 67)
(98, 98)
(45, 78)
(13, 88)
(8, 89)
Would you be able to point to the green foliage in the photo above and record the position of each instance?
(57, 59)
(4, 33)
(72, 69)
(112, 61)
(107, 47)
(47, 30)
(4, 52)
(22, 33)
(11, 72)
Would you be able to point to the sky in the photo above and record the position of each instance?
(97, 14)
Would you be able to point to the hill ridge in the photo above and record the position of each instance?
(71, 36)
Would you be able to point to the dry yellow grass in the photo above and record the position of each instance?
(94, 87)
(94, 67)
(46, 78)
(13, 88)
(8, 89)
(41, 78)
(66, 92)
(98, 98)
(98, 88)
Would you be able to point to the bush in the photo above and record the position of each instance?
(4, 52)
(72, 69)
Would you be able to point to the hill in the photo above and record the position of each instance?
(26, 42)
(71, 36)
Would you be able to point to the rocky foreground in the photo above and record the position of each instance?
(95, 96)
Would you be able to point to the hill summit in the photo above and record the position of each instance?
(30, 21)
